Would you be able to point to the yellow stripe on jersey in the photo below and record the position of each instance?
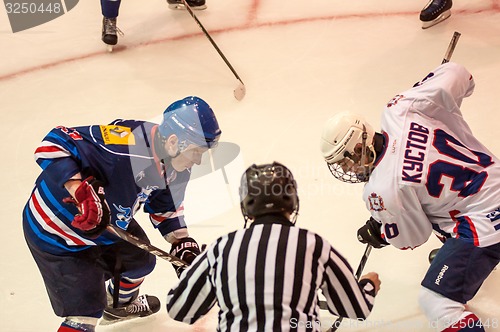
(117, 135)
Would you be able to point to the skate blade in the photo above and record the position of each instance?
(106, 322)
(439, 19)
(181, 6)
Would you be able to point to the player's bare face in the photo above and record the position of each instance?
(190, 156)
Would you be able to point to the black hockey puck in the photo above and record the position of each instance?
(433, 254)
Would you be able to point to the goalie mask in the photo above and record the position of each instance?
(268, 189)
(347, 147)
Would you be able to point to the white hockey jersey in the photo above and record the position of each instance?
(434, 174)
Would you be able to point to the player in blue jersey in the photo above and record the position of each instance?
(98, 175)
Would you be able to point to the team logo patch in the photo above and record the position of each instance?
(117, 135)
(124, 216)
(376, 202)
(395, 100)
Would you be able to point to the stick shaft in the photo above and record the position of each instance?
(363, 261)
(451, 47)
(205, 32)
(124, 235)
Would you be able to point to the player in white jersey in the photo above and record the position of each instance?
(425, 171)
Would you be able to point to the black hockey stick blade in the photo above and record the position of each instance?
(451, 47)
(124, 235)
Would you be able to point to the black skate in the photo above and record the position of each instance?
(110, 32)
(435, 12)
(194, 4)
(144, 305)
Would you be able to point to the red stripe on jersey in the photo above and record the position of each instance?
(50, 148)
(157, 218)
(50, 223)
(167, 215)
(473, 230)
(67, 329)
(472, 227)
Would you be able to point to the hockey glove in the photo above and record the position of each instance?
(370, 234)
(186, 249)
(94, 213)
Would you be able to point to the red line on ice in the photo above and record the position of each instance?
(252, 23)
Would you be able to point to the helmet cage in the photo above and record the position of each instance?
(357, 164)
(347, 147)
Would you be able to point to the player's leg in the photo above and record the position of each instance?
(454, 277)
(447, 315)
(135, 264)
(78, 323)
(110, 10)
(75, 285)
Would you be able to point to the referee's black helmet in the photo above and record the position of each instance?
(268, 189)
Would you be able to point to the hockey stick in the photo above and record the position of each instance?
(124, 235)
(451, 47)
(240, 90)
(359, 271)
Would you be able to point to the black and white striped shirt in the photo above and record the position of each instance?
(266, 278)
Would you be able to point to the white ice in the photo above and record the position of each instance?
(300, 61)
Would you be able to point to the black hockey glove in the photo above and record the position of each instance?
(186, 249)
(370, 234)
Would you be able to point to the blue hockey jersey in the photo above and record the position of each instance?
(122, 156)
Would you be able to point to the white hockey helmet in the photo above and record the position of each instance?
(347, 147)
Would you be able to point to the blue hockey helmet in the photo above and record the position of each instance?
(193, 122)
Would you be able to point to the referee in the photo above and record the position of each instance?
(266, 277)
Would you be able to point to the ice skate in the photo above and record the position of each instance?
(110, 32)
(193, 4)
(435, 12)
(144, 305)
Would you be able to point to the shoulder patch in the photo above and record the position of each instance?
(376, 202)
(113, 134)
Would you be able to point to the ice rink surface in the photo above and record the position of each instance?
(301, 62)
